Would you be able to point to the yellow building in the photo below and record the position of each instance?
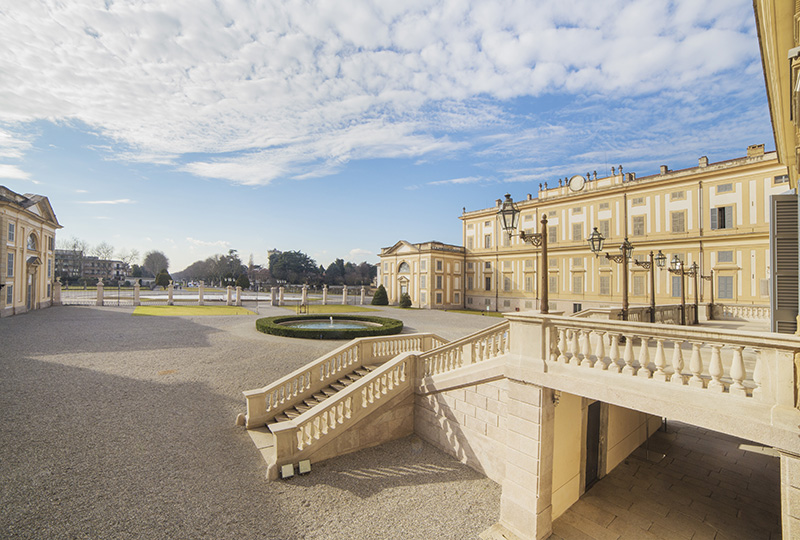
(716, 215)
(431, 273)
(27, 252)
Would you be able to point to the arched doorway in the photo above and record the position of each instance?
(32, 267)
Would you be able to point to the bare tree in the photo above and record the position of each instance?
(104, 253)
(155, 261)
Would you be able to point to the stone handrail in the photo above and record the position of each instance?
(484, 345)
(265, 403)
(298, 438)
(708, 360)
(668, 314)
(727, 311)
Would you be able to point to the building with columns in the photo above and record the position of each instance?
(716, 215)
(28, 226)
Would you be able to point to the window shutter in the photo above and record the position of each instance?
(714, 216)
(729, 217)
(783, 239)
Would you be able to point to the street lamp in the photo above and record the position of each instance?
(596, 241)
(509, 217)
(677, 267)
(659, 260)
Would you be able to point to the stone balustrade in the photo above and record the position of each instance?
(265, 403)
(748, 313)
(478, 347)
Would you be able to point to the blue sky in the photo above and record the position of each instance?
(194, 126)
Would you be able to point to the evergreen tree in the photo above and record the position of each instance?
(380, 298)
(405, 300)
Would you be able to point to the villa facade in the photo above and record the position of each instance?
(28, 226)
(716, 215)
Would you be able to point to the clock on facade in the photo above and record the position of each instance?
(577, 182)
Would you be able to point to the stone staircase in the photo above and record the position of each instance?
(309, 403)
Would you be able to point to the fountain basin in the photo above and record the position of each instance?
(329, 327)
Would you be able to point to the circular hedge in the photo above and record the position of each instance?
(384, 327)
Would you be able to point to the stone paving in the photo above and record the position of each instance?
(708, 486)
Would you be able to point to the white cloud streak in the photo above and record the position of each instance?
(296, 90)
(115, 201)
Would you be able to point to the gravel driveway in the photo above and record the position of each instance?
(115, 426)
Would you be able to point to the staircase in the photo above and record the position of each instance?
(307, 404)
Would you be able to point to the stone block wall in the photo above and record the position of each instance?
(790, 495)
(468, 423)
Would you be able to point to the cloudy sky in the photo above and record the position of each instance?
(337, 128)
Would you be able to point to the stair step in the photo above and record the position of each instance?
(329, 391)
(371, 367)
(311, 403)
(338, 387)
(362, 372)
(320, 397)
(281, 418)
(345, 381)
(302, 407)
(291, 413)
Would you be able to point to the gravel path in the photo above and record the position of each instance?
(116, 426)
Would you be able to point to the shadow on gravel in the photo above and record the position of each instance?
(84, 454)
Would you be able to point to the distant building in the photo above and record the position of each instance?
(28, 227)
(74, 265)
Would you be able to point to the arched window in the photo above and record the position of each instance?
(32, 242)
(404, 268)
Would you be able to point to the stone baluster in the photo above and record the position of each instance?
(562, 345)
(677, 362)
(586, 353)
(600, 351)
(614, 355)
(574, 348)
(660, 361)
(758, 375)
(627, 357)
(696, 366)
(644, 359)
(738, 372)
(715, 369)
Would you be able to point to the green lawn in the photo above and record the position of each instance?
(319, 308)
(177, 311)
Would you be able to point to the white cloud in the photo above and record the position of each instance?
(358, 254)
(297, 90)
(14, 172)
(464, 180)
(204, 243)
(115, 201)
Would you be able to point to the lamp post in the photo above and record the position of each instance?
(596, 241)
(677, 267)
(710, 279)
(509, 216)
(659, 260)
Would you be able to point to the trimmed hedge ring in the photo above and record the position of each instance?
(384, 327)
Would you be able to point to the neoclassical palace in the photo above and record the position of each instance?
(27, 252)
(715, 214)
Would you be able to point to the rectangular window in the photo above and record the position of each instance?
(552, 234)
(423, 298)
(577, 262)
(577, 284)
(604, 228)
(438, 282)
(676, 286)
(470, 283)
(638, 225)
(725, 256)
(438, 298)
(553, 287)
(9, 295)
(488, 283)
(10, 267)
(764, 287)
(386, 267)
(506, 303)
(528, 304)
(487, 223)
(506, 284)
(487, 241)
(577, 231)
(49, 269)
(469, 300)
(722, 217)
(457, 283)
(51, 243)
(11, 232)
(423, 282)
(553, 262)
(603, 206)
(638, 286)
(678, 222)
(457, 268)
(637, 201)
(506, 239)
(470, 242)
(487, 265)
(527, 217)
(551, 213)
(423, 265)
(470, 226)
(725, 287)
(470, 266)
(529, 284)
(724, 188)
(605, 285)
(49, 291)
(528, 263)
(506, 265)
(488, 303)
(439, 265)
(577, 210)
(782, 179)
(457, 298)
(677, 195)
(603, 261)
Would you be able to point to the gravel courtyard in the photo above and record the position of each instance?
(115, 426)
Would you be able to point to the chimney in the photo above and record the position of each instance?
(498, 202)
(530, 196)
(703, 161)
(664, 169)
(755, 150)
